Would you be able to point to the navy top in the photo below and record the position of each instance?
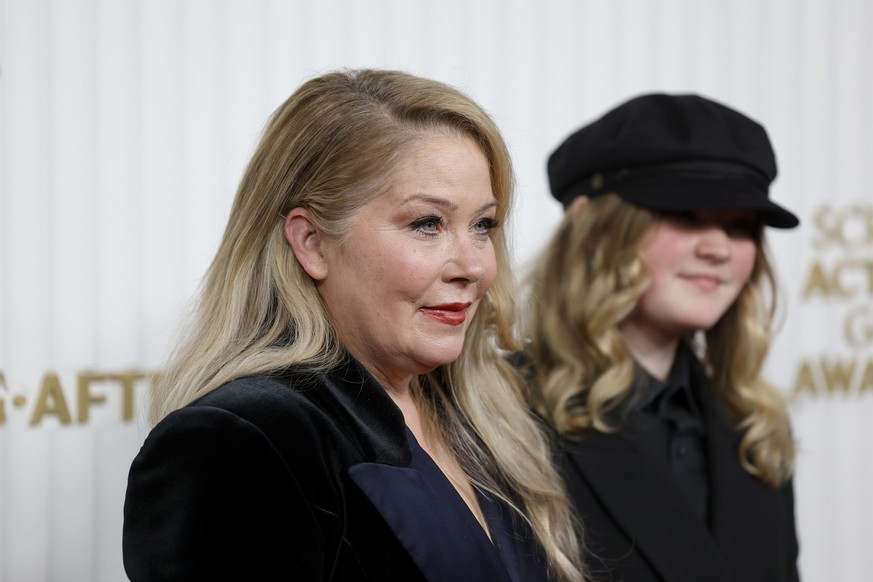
(512, 541)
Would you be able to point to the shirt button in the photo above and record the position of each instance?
(681, 451)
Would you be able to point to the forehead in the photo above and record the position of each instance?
(437, 147)
(441, 160)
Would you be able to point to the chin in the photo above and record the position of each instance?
(440, 358)
(700, 325)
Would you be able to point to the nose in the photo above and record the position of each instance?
(467, 261)
(714, 243)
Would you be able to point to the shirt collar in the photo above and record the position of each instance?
(649, 388)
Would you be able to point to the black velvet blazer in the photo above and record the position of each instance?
(640, 528)
(301, 477)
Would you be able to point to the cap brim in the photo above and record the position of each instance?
(696, 194)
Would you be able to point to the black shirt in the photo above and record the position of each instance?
(673, 421)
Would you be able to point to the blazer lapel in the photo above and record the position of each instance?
(439, 541)
(743, 511)
(643, 498)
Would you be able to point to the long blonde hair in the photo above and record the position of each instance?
(588, 280)
(330, 148)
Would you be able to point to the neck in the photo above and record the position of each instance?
(395, 384)
(652, 348)
(398, 389)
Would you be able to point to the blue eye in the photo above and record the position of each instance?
(428, 225)
(485, 225)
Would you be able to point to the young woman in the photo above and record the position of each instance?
(339, 409)
(649, 321)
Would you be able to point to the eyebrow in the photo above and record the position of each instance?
(442, 202)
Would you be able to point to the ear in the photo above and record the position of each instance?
(306, 242)
(576, 207)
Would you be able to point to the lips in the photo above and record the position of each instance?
(703, 282)
(448, 313)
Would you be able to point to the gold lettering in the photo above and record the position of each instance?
(51, 401)
(838, 374)
(850, 227)
(805, 381)
(127, 380)
(846, 278)
(85, 397)
(840, 377)
(827, 230)
(817, 281)
(858, 326)
(869, 267)
(838, 279)
(866, 378)
(857, 226)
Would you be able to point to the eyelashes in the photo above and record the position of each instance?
(433, 225)
(428, 225)
(486, 225)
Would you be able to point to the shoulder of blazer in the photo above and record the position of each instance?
(342, 407)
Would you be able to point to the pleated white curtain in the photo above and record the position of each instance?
(125, 125)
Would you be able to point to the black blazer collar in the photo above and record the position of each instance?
(351, 397)
(744, 514)
(414, 508)
(638, 490)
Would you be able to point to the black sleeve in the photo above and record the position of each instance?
(792, 548)
(210, 498)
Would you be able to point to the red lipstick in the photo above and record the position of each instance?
(449, 313)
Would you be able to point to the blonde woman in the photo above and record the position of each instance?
(339, 409)
(649, 321)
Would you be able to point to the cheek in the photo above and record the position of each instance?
(411, 273)
(744, 260)
(660, 266)
(664, 250)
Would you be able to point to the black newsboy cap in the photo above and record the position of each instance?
(671, 152)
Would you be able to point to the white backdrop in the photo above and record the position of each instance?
(124, 127)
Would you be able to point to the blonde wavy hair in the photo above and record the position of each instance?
(331, 148)
(588, 280)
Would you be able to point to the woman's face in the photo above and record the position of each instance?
(405, 284)
(698, 262)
